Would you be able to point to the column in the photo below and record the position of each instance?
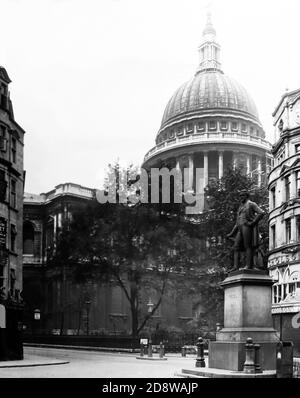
(221, 168)
(234, 160)
(191, 171)
(259, 171)
(248, 164)
(205, 168)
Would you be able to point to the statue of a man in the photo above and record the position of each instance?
(246, 230)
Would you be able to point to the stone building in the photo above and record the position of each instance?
(209, 123)
(11, 223)
(63, 304)
(284, 217)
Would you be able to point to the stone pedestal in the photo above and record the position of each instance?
(247, 313)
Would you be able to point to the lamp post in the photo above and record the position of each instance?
(87, 306)
(36, 317)
(150, 306)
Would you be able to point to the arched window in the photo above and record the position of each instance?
(28, 238)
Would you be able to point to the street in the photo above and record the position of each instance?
(89, 364)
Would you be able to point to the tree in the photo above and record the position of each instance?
(138, 247)
(218, 220)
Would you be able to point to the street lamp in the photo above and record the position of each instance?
(37, 314)
(36, 317)
(87, 306)
(150, 305)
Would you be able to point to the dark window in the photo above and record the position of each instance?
(13, 194)
(3, 186)
(28, 238)
(13, 236)
(234, 126)
(298, 228)
(298, 184)
(288, 230)
(190, 127)
(2, 138)
(13, 149)
(273, 195)
(179, 131)
(273, 237)
(297, 148)
(3, 96)
(212, 125)
(244, 128)
(223, 125)
(171, 133)
(201, 126)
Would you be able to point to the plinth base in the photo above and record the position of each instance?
(231, 355)
(223, 373)
(247, 314)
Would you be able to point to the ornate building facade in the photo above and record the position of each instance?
(209, 123)
(284, 218)
(11, 223)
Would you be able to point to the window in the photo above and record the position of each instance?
(234, 126)
(13, 195)
(244, 128)
(3, 186)
(13, 236)
(190, 127)
(280, 126)
(2, 138)
(297, 148)
(251, 130)
(212, 125)
(13, 149)
(287, 188)
(3, 96)
(288, 231)
(12, 278)
(298, 228)
(273, 197)
(28, 237)
(273, 236)
(223, 125)
(171, 134)
(179, 131)
(201, 126)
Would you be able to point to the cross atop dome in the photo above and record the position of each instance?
(209, 50)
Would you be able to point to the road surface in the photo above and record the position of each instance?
(89, 364)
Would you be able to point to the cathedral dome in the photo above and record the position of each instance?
(209, 89)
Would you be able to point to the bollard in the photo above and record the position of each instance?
(150, 349)
(257, 359)
(161, 350)
(200, 361)
(249, 365)
(183, 351)
(142, 350)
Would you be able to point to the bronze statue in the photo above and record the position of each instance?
(246, 230)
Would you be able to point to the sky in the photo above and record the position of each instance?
(91, 78)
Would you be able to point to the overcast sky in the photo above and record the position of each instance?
(91, 78)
